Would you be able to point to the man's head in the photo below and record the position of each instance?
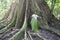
(35, 16)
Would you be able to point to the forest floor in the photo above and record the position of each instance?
(42, 34)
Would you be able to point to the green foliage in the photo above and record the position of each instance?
(4, 6)
(56, 10)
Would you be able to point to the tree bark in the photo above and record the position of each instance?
(21, 21)
(47, 14)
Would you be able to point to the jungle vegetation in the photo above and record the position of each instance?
(16, 16)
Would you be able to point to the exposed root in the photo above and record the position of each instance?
(30, 36)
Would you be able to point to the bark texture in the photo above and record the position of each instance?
(17, 23)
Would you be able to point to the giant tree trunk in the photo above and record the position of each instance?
(18, 26)
(47, 14)
(48, 19)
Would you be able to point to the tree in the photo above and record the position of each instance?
(17, 22)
